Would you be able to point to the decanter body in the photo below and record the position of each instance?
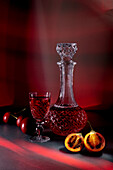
(65, 115)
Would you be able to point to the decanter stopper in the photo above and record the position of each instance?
(66, 50)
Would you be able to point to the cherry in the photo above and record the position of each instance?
(10, 118)
(6, 117)
(24, 124)
(28, 125)
(18, 121)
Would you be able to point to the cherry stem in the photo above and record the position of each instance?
(13, 116)
(90, 125)
(21, 110)
(18, 112)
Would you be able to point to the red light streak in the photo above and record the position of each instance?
(63, 158)
(11, 146)
(25, 149)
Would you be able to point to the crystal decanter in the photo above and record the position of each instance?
(65, 115)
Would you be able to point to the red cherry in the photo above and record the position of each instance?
(28, 125)
(19, 119)
(6, 117)
(24, 125)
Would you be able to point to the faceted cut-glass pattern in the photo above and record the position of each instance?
(64, 121)
(66, 49)
(39, 107)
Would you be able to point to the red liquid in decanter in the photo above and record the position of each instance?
(66, 120)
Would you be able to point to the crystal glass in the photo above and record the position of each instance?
(39, 105)
(65, 115)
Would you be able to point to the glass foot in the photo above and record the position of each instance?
(40, 139)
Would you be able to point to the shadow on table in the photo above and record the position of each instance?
(64, 150)
(83, 152)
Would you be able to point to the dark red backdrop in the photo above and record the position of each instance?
(29, 31)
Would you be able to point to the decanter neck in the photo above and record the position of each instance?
(66, 95)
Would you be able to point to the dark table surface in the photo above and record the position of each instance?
(16, 152)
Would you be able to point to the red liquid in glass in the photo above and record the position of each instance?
(64, 121)
(39, 107)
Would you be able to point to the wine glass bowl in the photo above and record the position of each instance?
(39, 106)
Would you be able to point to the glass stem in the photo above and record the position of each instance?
(39, 129)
